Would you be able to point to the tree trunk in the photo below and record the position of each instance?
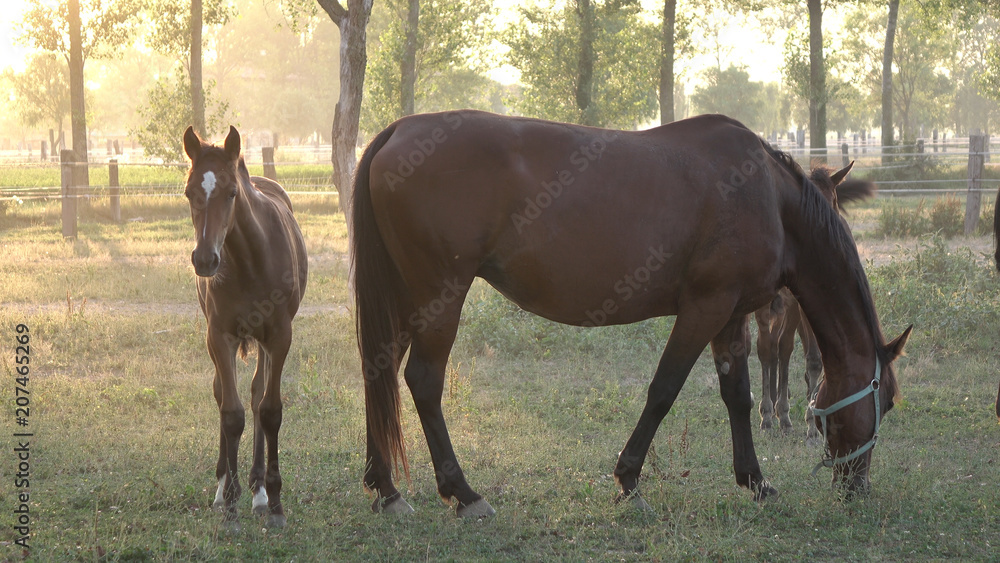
(817, 82)
(78, 108)
(197, 89)
(890, 38)
(353, 24)
(667, 63)
(585, 67)
(408, 65)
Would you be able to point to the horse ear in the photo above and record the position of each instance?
(192, 144)
(839, 175)
(895, 348)
(232, 145)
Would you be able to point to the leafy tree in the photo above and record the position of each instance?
(176, 32)
(352, 22)
(921, 88)
(625, 81)
(277, 77)
(80, 31)
(446, 67)
(732, 93)
(169, 110)
(41, 91)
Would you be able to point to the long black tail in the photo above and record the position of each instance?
(377, 288)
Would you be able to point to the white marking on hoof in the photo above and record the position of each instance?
(398, 506)
(208, 183)
(478, 509)
(276, 521)
(220, 497)
(260, 502)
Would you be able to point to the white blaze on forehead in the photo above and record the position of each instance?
(208, 183)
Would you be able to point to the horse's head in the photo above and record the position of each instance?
(213, 184)
(849, 418)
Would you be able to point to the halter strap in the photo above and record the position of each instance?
(872, 388)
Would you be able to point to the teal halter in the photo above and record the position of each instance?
(872, 388)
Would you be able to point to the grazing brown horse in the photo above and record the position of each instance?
(699, 218)
(251, 264)
(778, 322)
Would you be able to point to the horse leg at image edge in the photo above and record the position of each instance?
(730, 348)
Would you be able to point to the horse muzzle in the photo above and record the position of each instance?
(206, 261)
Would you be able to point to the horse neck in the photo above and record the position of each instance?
(246, 237)
(835, 297)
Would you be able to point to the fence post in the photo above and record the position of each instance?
(67, 158)
(843, 149)
(45, 152)
(114, 189)
(972, 198)
(268, 155)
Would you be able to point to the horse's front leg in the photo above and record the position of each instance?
(694, 327)
(730, 350)
(222, 348)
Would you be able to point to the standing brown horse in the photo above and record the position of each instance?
(251, 264)
(778, 322)
(699, 218)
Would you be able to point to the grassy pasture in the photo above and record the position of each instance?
(126, 428)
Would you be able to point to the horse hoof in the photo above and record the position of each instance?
(397, 506)
(478, 509)
(276, 522)
(260, 503)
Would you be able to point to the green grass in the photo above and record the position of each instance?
(126, 427)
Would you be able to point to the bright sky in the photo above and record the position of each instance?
(11, 54)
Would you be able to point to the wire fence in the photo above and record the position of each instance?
(300, 169)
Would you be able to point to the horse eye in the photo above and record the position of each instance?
(232, 195)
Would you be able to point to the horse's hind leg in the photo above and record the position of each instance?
(266, 484)
(767, 354)
(730, 349)
(222, 348)
(425, 376)
(786, 345)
